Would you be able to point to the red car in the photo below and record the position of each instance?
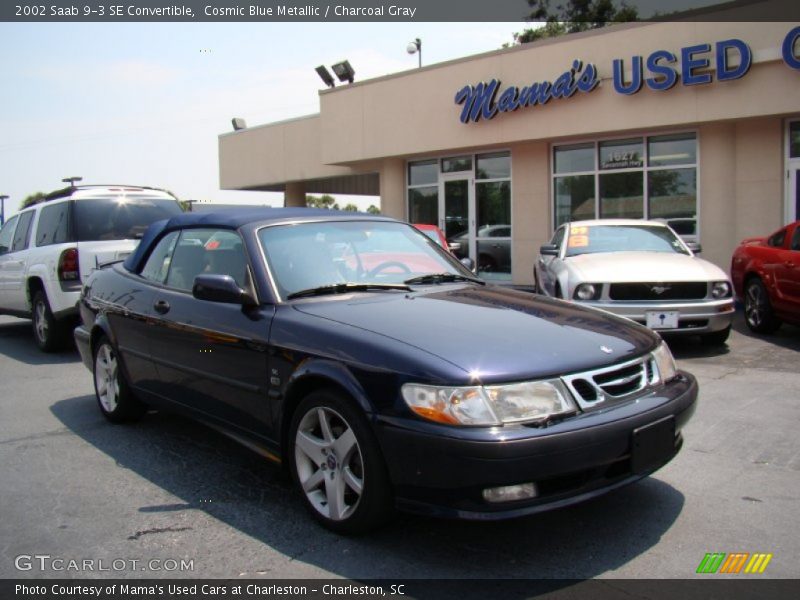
(766, 276)
(433, 232)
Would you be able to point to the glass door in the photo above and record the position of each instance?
(792, 168)
(455, 222)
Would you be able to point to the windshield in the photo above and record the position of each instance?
(119, 218)
(622, 238)
(310, 255)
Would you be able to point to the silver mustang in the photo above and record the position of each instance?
(637, 269)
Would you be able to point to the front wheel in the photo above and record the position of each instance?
(114, 397)
(336, 463)
(757, 308)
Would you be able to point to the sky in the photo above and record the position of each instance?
(144, 103)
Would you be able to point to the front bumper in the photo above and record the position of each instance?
(441, 470)
(694, 317)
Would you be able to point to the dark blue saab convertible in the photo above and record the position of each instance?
(377, 368)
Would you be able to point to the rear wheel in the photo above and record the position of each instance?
(47, 331)
(336, 463)
(758, 309)
(114, 397)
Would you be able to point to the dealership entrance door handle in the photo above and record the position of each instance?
(161, 307)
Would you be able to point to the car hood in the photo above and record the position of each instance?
(642, 266)
(492, 334)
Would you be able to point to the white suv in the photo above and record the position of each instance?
(48, 250)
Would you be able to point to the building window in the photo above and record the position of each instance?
(794, 139)
(423, 192)
(653, 177)
(469, 197)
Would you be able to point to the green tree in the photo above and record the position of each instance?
(324, 201)
(350, 207)
(32, 199)
(373, 210)
(574, 16)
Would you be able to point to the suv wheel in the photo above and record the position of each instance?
(48, 333)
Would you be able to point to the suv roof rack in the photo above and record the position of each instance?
(63, 192)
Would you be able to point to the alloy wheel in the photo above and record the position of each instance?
(329, 463)
(105, 375)
(40, 322)
(755, 305)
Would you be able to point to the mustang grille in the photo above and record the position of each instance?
(592, 388)
(683, 290)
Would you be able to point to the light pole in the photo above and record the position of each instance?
(415, 47)
(3, 209)
(71, 180)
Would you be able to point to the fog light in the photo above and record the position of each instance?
(509, 493)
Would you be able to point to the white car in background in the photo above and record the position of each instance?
(640, 270)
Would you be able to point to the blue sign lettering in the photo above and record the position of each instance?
(789, 56)
(664, 68)
(478, 101)
(689, 63)
(724, 72)
(668, 74)
(636, 76)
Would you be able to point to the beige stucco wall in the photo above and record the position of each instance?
(378, 125)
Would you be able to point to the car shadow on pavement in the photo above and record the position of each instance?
(209, 472)
(16, 342)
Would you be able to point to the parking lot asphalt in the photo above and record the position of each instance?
(75, 487)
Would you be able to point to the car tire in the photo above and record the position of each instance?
(337, 465)
(716, 338)
(114, 396)
(48, 333)
(758, 309)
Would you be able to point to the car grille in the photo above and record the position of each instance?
(682, 290)
(592, 388)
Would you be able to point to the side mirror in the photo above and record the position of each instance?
(469, 263)
(219, 288)
(548, 250)
(694, 247)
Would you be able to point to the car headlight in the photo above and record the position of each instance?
(720, 289)
(665, 363)
(587, 291)
(489, 405)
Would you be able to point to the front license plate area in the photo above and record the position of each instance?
(652, 445)
(662, 319)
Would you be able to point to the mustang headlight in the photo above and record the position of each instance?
(665, 363)
(489, 405)
(587, 291)
(720, 289)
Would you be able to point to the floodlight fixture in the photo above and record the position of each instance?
(325, 75)
(344, 71)
(238, 123)
(415, 47)
(72, 180)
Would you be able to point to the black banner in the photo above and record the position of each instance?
(370, 10)
(739, 588)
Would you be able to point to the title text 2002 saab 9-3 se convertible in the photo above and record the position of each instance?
(377, 368)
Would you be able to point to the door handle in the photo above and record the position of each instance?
(161, 307)
(789, 264)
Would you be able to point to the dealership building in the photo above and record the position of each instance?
(695, 123)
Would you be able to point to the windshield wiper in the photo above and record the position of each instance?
(442, 278)
(344, 288)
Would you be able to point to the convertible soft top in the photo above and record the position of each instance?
(233, 219)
